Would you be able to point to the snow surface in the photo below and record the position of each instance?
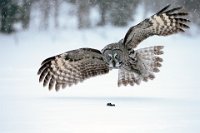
(168, 104)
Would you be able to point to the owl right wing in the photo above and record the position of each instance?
(72, 67)
(165, 22)
(148, 63)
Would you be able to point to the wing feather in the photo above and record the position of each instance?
(72, 67)
(165, 22)
(148, 64)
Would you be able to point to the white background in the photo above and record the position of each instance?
(168, 104)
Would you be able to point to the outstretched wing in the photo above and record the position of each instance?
(72, 67)
(148, 63)
(165, 22)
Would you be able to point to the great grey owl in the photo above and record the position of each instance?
(134, 66)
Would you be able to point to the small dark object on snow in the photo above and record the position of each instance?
(110, 104)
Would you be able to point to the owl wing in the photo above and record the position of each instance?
(165, 22)
(72, 67)
(148, 63)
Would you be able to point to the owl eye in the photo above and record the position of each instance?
(109, 56)
(116, 56)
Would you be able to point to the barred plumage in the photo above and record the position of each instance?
(134, 66)
(148, 62)
(165, 22)
(72, 67)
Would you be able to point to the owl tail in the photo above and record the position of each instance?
(148, 64)
(127, 78)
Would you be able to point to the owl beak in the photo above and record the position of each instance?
(114, 63)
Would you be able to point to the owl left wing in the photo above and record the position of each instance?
(165, 22)
(72, 67)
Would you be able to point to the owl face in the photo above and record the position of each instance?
(113, 55)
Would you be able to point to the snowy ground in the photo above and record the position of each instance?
(169, 104)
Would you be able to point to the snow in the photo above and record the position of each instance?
(168, 104)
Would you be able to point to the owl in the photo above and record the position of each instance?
(134, 65)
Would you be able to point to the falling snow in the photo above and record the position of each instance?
(168, 104)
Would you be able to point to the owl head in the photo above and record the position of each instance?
(113, 55)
